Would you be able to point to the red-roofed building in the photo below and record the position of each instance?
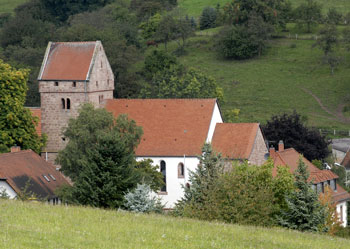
(240, 141)
(20, 168)
(319, 178)
(174, 129)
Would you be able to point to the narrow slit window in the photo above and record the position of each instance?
(97, 83)
(68, 104)
(74, 84)
(63, 104)
(56, 83)
(163, 171)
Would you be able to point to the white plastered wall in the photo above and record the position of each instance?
(174, 184)
(345, 212)
(216, 118)
(9, 190)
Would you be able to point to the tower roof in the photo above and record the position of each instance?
(68, 61)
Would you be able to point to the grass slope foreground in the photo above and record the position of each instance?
(36, 225)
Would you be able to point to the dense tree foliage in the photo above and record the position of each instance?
(17, 125)
(295, 134)
(207, 19)
(178, 82)
(308, 14)
(304, 211)
(99, 157)
(272, 11)
(241, 193)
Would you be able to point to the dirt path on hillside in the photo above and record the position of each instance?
(338, 115)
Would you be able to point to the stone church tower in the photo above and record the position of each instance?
(72, 73)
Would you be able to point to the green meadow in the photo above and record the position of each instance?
(36, 225)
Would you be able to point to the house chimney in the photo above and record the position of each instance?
(272, 152)
(280, 146)
(15, 148)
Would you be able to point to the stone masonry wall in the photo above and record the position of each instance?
(54, 118)
(257, 157)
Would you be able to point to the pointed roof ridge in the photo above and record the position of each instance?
(68, 61)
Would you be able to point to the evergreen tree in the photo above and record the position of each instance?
(304, 211)
(99, 157)
(202, 180)
(207, 19)
(141, 200)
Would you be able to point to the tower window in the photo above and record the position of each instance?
(100, 98)
(97, 83)
(68, 104)
(74, 83)
(181, 170)
(163, 171)
(56, 83)
(108, 82)
(101, 65)
(63, 104)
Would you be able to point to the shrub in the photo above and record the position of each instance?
(207, 19)
(235, 42)
(141, 200)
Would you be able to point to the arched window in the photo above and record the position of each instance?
(163, 171)
(63, 104)
(180, 170)
(68, 104)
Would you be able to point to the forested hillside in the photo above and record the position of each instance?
(290, 71)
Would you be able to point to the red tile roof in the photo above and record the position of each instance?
(18, 167)
(291, 157)
(36, 112)
(235, 141)
(171, 127)
(67, 61)
(340, 195)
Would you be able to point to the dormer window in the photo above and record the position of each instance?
(56, 83)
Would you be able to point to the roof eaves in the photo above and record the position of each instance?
(43, 65)
(93, 59)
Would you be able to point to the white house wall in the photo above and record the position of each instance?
(216, 118)
(345, 212)
(173, 183)
(9, 190)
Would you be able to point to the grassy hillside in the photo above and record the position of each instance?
(7, 6)
(34, 225)
(195, 7)
(282, 80)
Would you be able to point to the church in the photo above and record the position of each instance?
(175, 130)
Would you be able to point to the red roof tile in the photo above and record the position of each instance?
(340, 195)
(291, 157)
(235, 141)
(171, 127)
(36, 112)
(67, 61)
(18, 167)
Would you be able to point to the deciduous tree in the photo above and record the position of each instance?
(292, 130)
(17, 125)
(309, 14)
